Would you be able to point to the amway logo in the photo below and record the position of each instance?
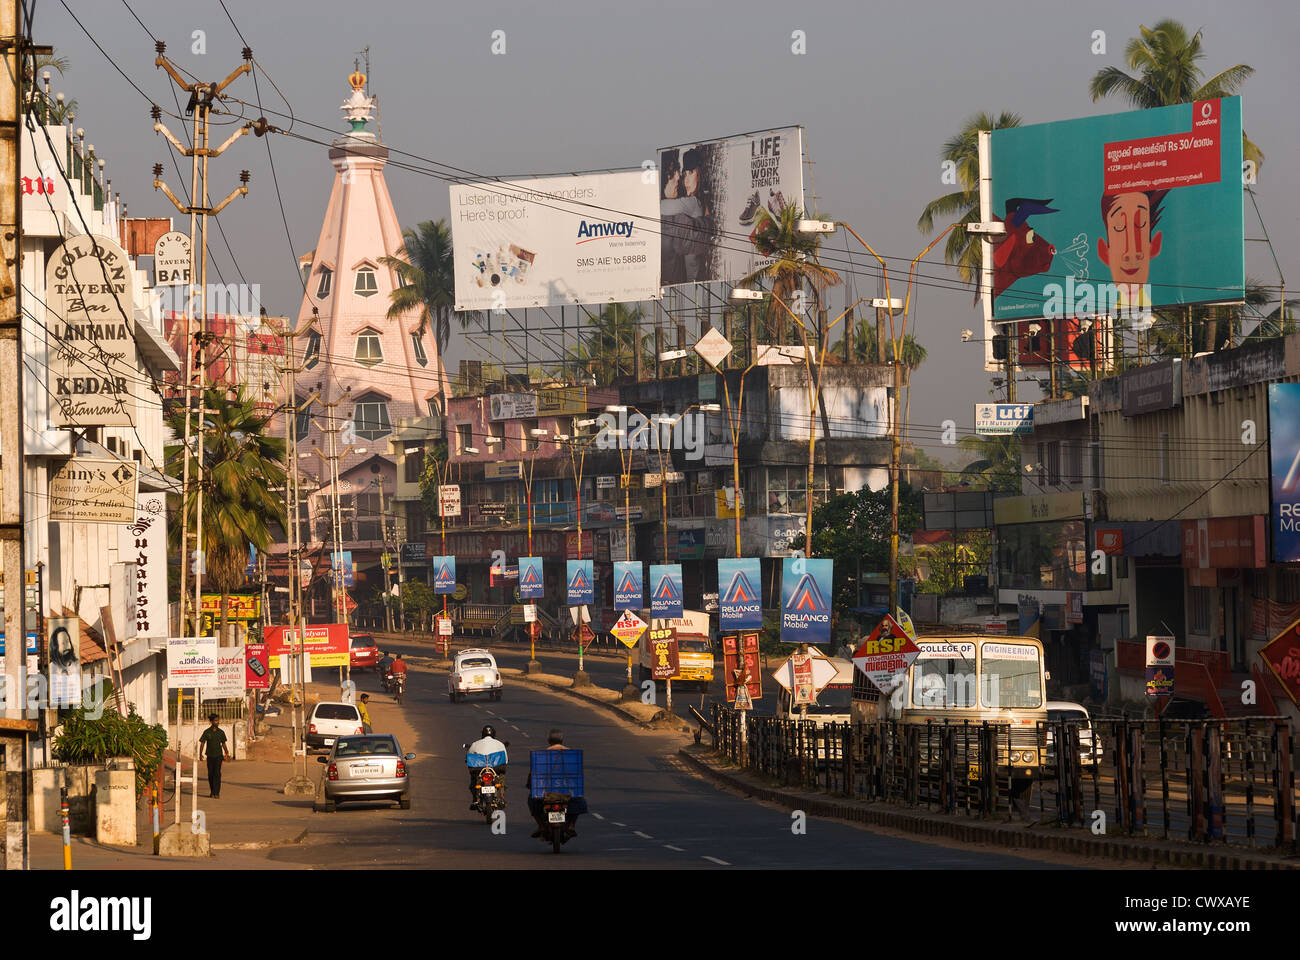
(595, 231)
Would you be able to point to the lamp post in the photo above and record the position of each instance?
(625, 461)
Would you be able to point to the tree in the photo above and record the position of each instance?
(607, 350)
(963, 204)
(425, 267)
(997, 461)
(951, 561)
(50, 109)
(242, 464)
(793, 255)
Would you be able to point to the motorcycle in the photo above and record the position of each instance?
(397, 684)
(489, 783)
(555, 819)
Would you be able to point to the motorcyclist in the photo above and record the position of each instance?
(384, 664)
(577, 805)
(487, 751)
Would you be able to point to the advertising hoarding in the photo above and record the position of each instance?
(531, 584)
(805, 600)
(666, 590)
(342, 562)
(325, 643)
(1117, 214)
(629, 590)
(1160, 666)
(257, 667)
(1284, 469)
(93, 490)
(1004, 418)
(710, 195)
(580, 578)
(444, 575)
(740, 594)
(192, 662)
(144, 543)
(549, 241)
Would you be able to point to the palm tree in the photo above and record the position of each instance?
(1164, 60)
(793, 255)
(425, 269)
(608, 349)
(962, 151)
(997, 460)
(242, 463)
(51, 110)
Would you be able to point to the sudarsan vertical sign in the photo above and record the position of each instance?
(90, 310)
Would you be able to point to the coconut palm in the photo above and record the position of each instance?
(242, 463)
(424, 266)
(963, 249)
(1164, 60)
(607, 349)
(997, 460)
(793, 260)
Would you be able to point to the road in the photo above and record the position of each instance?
(647, 811)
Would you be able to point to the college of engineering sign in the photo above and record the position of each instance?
(94, 490)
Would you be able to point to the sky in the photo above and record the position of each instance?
(590, 85)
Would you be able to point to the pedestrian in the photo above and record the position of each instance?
(365, 713)
(213, 742)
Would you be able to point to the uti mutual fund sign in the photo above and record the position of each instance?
(89, 318)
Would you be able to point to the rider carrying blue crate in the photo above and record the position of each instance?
(577, 805)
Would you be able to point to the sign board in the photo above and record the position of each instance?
(449, 498)
(92, 370)
(1074, 607)
(341, 563)
(1160, 666)
(995, 625)
(1097, 677)
(606, 482)
(444, 575)
(232, 670)
(492, 510)
(550, 241)
(580, 579)
(192, 662)
(531, 584)
(326, 644)
(666, 590)
(444, 627)
(629, 591)
(743, 700)
(886, 653)
(239, 606)
(1282, 654)
(63, 646)
(144, 543)
(585, 636)
(740, 601)
(94, 490)
(801, 679)
(628, 628)
(172, 260)
(713, 347)
(1284, 470)
(823, 671)
(530, 613)
(664, 659)
(507, 470)
(513, 406)
(805, 600)
(710, 602)
(257, 667)
(1004, 418)
(740, 665)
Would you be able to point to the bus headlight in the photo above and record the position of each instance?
(1027, 756)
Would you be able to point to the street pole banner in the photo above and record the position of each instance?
(665, 661)
(1160, 666)
(192, 662)
(629, 591)
(580, 577)
(144, 543)
(232, 670)
(740, 594)
(342, 561)
(1284, 469)
(531, 584)
(740, 672)
(886, 653)
(257, 663)
(326, 644)
(63, 638)
(666, 590)
(444, 575)
(805, 600)
(1282, 654)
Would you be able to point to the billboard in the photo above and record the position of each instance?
(342, 561)
(531, 584)
(1284, 469)
(444, 575)
(550, 241)
(1004, 418)
(325, 643)
(628, 588)
(710, 195)
(805, 600)
(580, 578)
(740, 594)
(1116, 214)
(666, 590)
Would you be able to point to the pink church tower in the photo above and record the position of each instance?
(379, 374)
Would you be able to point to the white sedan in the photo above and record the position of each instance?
(474, 671)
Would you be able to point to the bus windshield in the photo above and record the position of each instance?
(1011, 676)
(693, 645)
(943, 676)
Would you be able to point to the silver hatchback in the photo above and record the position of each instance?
(365, 769)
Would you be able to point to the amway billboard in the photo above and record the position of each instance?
(550, 241)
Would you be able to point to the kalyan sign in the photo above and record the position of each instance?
(1282, 655)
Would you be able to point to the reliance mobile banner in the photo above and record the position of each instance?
(444, 575)
(805, 600)
(1284, 469)
(531, 584)
(629, 591)
(740, 594)
(710, 195)
(581, 580)
(550, 241)
(666, 590)
(1118, 214)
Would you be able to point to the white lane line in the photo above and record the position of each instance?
(617, 824)
(477, 706)
(491, 714)
(513, 727)
(721, 863)
(643, 836)
(598, 816)
(669, 846)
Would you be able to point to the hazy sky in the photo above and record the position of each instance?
(587, 85)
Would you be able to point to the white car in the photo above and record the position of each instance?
(474, 671)
(1091, 749)
(330, 720)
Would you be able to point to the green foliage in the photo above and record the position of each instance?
(951, 562)
(83, 739)
(793, 256)
(997, 461)
(608, 347)
(426, 268)
(435, 461)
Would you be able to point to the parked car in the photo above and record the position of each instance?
(330, 720)
(1091, 748)
(368, 768)
(363, 651)
(474, 671)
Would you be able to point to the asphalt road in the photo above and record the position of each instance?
(647, 811)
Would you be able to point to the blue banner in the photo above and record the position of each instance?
(531, 584)
(805, 600)
(1284, 469)
(740, 594)
(628, 588)
(580, 577)
(346, 563)
(444, 574)
(31, 644)
(666, 590)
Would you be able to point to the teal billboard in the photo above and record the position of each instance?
(1117, 214)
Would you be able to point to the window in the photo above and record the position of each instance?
(369, 352)
(464, 437)
(1053, 464)
(1096, 463)
(1073, 462)
(303, 425)
(369, 517)
(940, 682)
(414, 466)
(417, 342)
(370, 416)
(326, 281)
(1010, 683)
(311, 353)
(530, 442)
(367, 284)
(1164, 457)
(1198, 609)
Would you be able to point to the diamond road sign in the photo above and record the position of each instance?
(628, 628)
(713, 347)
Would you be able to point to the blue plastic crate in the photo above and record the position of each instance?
(556, 771)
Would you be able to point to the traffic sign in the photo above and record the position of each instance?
(740, 666)
(713, 347)
(886, 654)
(585, 636)
(444, 626)
(823, 672)
(628, 628)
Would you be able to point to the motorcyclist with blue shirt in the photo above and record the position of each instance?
(487, 751)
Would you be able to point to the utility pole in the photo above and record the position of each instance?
(383, 535)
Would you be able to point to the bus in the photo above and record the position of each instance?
(694, 647)
(973, 677)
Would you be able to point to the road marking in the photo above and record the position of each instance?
(478, 706)
(643, 836)
(617, 824)
(513, 727)
(721, 863)
(669, 846)
(597, 816)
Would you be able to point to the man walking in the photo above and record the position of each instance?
(362, 708)
(213, 742)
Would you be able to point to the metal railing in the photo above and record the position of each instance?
(1215, 781)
